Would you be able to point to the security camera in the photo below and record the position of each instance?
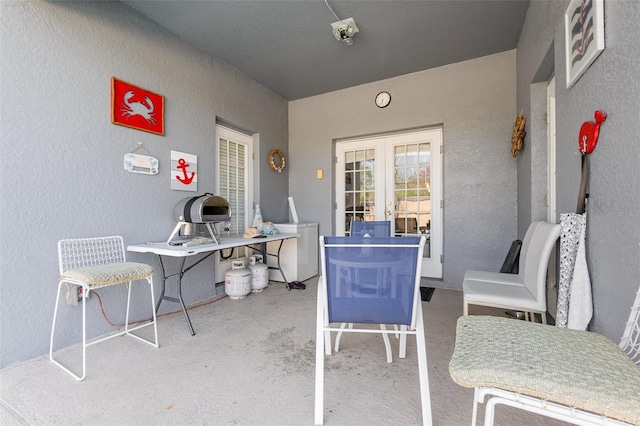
(344, 36)
(344, 30)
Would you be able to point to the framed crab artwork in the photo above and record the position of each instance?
(135, 107)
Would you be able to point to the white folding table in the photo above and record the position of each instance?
(182, 251)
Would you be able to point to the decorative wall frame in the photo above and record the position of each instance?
(584, 36)
(135, 107)
(184, 171)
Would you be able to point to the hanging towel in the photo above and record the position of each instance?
(575, 304)
(580, 302)
(570, 228)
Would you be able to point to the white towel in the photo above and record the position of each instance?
(571, 225)
(580, 301)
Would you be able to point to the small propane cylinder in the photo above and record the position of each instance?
(237, 280)
(259, 273)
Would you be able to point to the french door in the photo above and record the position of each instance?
(396, 178)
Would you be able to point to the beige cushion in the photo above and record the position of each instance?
(580, 369)
(113, 273)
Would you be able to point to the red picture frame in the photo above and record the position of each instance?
(135, 107)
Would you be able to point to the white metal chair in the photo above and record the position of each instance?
(575, 376)
(91, 263)
(525, 291)
(370, 281)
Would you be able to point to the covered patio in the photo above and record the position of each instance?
(251, 362)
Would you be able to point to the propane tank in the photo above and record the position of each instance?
(259, 273)
(237, 280)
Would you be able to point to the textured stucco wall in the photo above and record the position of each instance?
(474, 101)
(610, 84)
(62, 160)
(536, 41)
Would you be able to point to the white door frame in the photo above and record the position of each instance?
(552, 276)
(551, 151)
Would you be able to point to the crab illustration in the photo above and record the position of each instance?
(130, 109)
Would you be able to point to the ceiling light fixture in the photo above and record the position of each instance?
(344, 29)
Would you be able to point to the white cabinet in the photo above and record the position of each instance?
(298, 256)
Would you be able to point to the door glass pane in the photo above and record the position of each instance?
(412, 191)
(359, 186)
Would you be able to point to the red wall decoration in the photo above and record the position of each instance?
(135, 107)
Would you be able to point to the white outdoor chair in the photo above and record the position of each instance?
(525, 291)
(91, 263)
(575, 376)
(370, 281)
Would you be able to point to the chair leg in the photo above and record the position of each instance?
(387, 345)
(474, 415)
(327, 342)
(153, 322)
(84, 335)
(320, 344)
(153, 310)
(465, 308)
(403, 342)
(490, 411)
(422, 369)
(327, 334)
(53, 326)
(339, 335)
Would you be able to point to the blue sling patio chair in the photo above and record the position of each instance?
(372, 280)
(370, 228)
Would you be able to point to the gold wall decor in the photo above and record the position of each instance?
(518, 134)
(276, 167)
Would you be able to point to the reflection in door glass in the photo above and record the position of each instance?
(412, 192)
(359, 186)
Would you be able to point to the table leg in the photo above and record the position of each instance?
(179, 298)
(184, 308)
(277, 256)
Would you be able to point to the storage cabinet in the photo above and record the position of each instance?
(298, 256)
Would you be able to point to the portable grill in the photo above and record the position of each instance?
(207, 209)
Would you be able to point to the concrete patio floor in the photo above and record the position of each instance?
(251, 362)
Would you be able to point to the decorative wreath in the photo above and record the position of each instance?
(518, 134)
(280, 166)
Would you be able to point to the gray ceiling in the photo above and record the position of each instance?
(288, 46)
